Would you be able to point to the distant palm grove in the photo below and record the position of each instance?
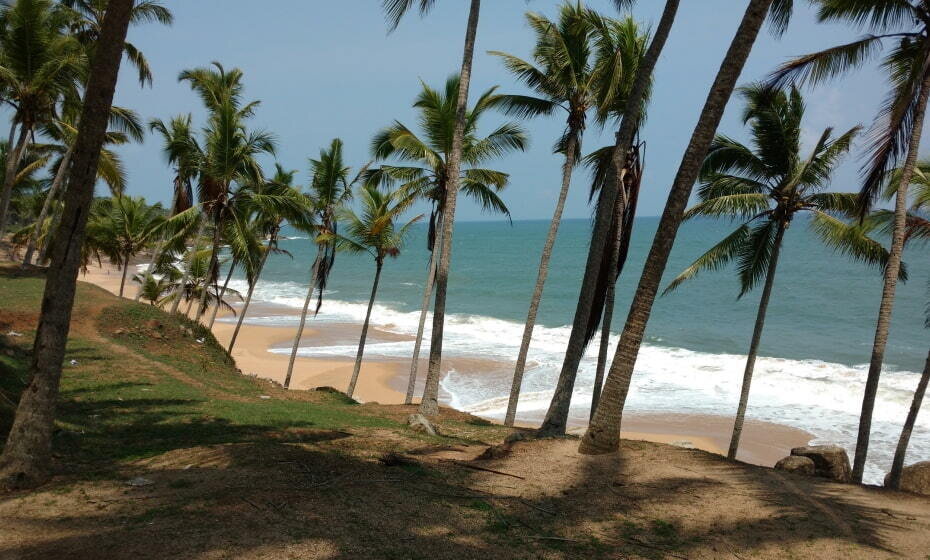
(59, 61)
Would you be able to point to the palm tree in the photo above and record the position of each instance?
(27, 187)
(768, 184)
(156, 290)
(395, 10)
(375, 232)
(330, 189)
(127, 224)
(126, 127)
(269, 225)
(569, 75)
(426, 170)
(904, 25)
(632, 111)
(87, 17)
(26, 454)
(229, 149)
(40, 65)
(603, 433)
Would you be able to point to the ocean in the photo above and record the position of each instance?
(813, 356)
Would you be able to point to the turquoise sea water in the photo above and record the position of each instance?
(814, 350)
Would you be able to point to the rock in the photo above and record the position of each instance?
(796, 464)
(140, 481)
(830, 461)
(152, 324)
(119, 332)
(419, 423)
(514, 437)
(494, 452)
(915, 478)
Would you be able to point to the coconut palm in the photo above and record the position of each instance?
(330, 189)
(156, 289)
(27, 451)
(903, 26)
(27, 187)
(125, 225)
(269, 225)
(603, 433)
(606, 212)
(568, 75)
(425, 169)
(40, 66)
(126, 127)
(768, 184)
(86, 17)
(375, 231)
(395, 10)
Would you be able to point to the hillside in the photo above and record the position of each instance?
(165, 451)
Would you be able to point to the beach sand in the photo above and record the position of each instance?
(385, 381)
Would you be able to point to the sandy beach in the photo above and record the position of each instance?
(384, 381)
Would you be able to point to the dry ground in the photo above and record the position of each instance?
(230, 474)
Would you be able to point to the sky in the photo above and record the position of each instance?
(325, 69)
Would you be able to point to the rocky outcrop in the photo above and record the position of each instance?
(419, 423)
(915, 478)
(796, 464)
(830, 461)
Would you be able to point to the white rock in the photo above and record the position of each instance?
(140, 481)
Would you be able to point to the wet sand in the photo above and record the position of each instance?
(385, 380)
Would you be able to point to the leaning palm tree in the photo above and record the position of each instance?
(269, 224)
(375, 231)
(603, 433)
(768, 184)
(395, 10)
(128, 225)
(567, 74)
(904, 27)
(27, 452)
(422, 169)
(330, 189)
(40, 66)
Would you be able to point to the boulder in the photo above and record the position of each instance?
(419, 423)
(915, 478)
(830, 461)
(519, 435)
(796, 464)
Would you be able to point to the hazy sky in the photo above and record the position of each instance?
(324, 69)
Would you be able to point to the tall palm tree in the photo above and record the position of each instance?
(903, 26)
(26, 454)
(330, 189)
(556, 419)
(567, 74)
(126, 127)
(86, 18)
(426, 171)
(229, 149)
(128, 225)
(376, 233)
(40, 66)
(269, 224)
(603, 433)
(768, 184)
(395, 10)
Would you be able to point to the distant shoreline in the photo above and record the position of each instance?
(384, 380)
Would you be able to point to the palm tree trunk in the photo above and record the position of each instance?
(190, 305)
(754, 345)
(361, 341)
(211, 270)
(187, 268)
(47, 205)
(891, 282)
(602, 350)
(897, 465)
(26, 455)
(122, 282)
(248, 297)
(429, 405)
(424, 309)
(219, 300)
(603, 433)
(314, 273)
(14, 157)
(567, 168)
(557, 416)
